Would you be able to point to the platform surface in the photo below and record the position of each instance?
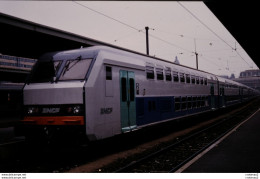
(237, 153)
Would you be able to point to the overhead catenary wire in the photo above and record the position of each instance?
(127, 35)
(156, 37)
(130, 26)
(193, 15)
(242, 57)
(205, 25)
(91, 9)
(170, 43)
(192, 37)
(208, 60)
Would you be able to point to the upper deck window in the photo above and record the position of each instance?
(175, 76)
(193, 80)
(159, 73)
(168, 74)
(149, 72)
(182, 79)
(197, 80)
(205, 81)
(75, 69)
(187, 78)
(201, 81)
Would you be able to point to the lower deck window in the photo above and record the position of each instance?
(198, 102)
(202, 101)
(194, 102)
(177, 104)
(183, 103)
(189, 102)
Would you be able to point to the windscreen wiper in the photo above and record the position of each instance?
(68, 67)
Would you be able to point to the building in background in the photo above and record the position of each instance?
(13, 73)
(14, 69)
(250, 78)
(12, 63)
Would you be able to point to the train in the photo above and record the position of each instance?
(99, 92)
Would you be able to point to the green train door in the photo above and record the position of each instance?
(127, 100)
(222, 96)
(212, 96)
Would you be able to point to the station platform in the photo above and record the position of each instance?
(237, 152)
(7, 125)
(9, 121)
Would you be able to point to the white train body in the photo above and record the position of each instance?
(100, 92)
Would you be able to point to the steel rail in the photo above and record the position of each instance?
(171, 146)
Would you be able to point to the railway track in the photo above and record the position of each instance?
(165, 157)
(173, 155)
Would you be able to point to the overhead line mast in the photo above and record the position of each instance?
(147, 40)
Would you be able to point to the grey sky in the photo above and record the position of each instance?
(174, 29)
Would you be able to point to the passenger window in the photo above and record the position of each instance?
(159, 73)
(182, 79)
(193, 79)
(132, 89)
(198, 101)
(197, 80)
(149, 72)
(183, 103)
(202, 101)
(201, 81)
(177, 104)
(123, 88)
(175, 76)
(212, 90)
(187, 78)
(205, 81)
(194, 102)
(108, 73)
(189, 102)
(206, 101)
(168, 76)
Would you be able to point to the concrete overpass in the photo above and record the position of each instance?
(23, 38)
(27, 39)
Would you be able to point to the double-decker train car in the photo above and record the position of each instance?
(99, 92)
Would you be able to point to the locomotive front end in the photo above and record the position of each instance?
(54, 105)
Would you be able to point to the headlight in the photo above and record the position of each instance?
(76, 110)
(32, 110)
